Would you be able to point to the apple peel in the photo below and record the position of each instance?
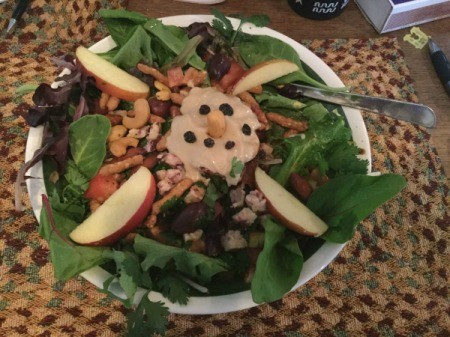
(287, 209)
(262, 73)
(122, 212)
(109, 78)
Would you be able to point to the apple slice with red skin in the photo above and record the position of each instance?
(286, 208)
(263, 72)
(122, 212)
(111, 79)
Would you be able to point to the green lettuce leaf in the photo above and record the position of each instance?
(172, 41)
(259, 48)
(87, 139)
(121, 23)
(345, 201)
(323, 145)
(136, 49)
(197, 266)
(68, 258)
(272, 101)
(279, 264)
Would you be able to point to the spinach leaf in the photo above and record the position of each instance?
(223, 25)
(270, 101)
(68, 258)
(122, 23)
(260, 48)
(185, 55)
(315, 112)
(302, 76)
(87, 139)
(279, 264)
(345, 201)
(195, 265)
(259, 20)
(136, 49)
(170, 40)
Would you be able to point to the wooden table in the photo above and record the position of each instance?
(350, 24)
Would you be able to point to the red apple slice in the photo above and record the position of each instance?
(123, 211)
(110, 78)
(262, 73)
(288, 209)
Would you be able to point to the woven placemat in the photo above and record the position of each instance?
(390, 280)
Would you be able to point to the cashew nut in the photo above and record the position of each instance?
(103, 100)
(216, 123)
(163, 95)
(141, 115)
(117, 131)
(119, 146)
(113, 103)
(161, 86)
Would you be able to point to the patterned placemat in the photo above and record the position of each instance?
(390, 280)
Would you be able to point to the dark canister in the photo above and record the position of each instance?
(318, 9)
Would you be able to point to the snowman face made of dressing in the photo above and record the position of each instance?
(211, 131)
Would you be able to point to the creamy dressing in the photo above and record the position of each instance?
(216, 159)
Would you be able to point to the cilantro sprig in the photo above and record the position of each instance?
(148, 318)
(237, 167)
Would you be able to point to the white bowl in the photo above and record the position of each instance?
(237, 301)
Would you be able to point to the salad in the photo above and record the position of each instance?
(181, 162)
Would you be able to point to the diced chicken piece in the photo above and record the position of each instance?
(151, 146)
(256, 201)
(164, 186)
(154, 132)
(232, 240)
(237, 196)
(195, 194)
(194, 236)
(174, 175)
(168, 179)
(161, 174)
(245, 216)
(139, 133)
(172, 160)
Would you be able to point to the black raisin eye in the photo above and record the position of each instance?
(229, 145)
(226, 109)
(246, 130)
(189, 137)
(204, 109)
(209, 142)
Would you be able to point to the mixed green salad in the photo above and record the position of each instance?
(217, 236)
